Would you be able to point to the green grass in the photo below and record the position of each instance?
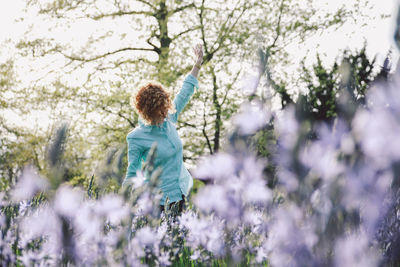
(185, 261)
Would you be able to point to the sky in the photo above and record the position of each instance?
(377, 32)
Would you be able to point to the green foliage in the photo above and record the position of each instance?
(264, 143)
(88, 183)
(326, 86)
(197, 184)
(362, 72)
(18, 148)
(184, 261)
(321, 96)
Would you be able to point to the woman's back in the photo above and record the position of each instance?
(169, 154)
(152, 103)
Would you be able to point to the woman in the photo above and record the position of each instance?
(156, 124)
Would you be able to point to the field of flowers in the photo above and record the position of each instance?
(335, 200)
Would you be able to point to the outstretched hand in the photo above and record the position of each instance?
(198, 51)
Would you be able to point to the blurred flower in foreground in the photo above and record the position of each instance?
(215, 167)
(253, 117)
(354, 250)
(250, 84)
(68, 201)
(378, 127)
(291, 238)
(29, 183)
(113, 208)
(287, 127)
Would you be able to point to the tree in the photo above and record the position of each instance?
(17, 145)
(325, 85)
(351, 75)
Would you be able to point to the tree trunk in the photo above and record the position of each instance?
(217, 106)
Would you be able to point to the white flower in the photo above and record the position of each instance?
(252, 168)
(261, 254)
(288, 179)
(253, 218)
(347, 144)
(215, 242)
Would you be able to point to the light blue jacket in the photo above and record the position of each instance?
(175, 178)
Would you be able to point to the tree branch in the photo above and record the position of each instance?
(230, 87)
(265, 67)
(184, 32)
(119, 114)
(203, 38)
(121, 13)
(221, 37)
(204, 128)
(156, 48)
(187, 157)
(187, 124)
(181, 8)
(224, 32)
(146, 3)
(278, 26)
(77, 58)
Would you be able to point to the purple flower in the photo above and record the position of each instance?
(355, 250)
(146, 236)
(218, 199)
(113, 208)
(68, 200)
(287, 128)
(322, 160)
(29, 183)
(253, 117)
(218, 166)
(163, 259)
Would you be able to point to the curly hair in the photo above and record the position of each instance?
(152, 102)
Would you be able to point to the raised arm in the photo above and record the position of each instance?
(187, 90)
(134, 160)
